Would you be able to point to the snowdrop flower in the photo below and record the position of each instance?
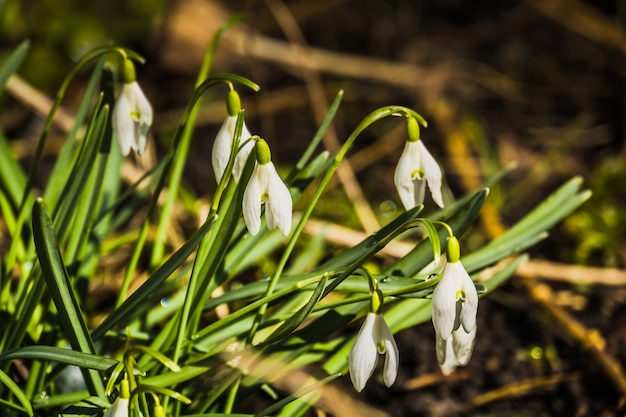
(132, 114)
(119, 408)
(224, 141)
(416, 168)
(454, 303)
(265, 186)
(373, 338)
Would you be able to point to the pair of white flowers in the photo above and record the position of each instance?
(265, 185)
(454, 307)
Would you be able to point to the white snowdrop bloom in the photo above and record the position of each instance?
(266, 187)
(222, 147)
(225, 138)
(374, 338)
(416, 168)
(454, 307)
(132, 114)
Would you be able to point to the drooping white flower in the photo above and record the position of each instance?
(454, 307)
(266, 187)
(374, 338)
(416, 168)
(132, 114)
(222, 147)
(225, 138)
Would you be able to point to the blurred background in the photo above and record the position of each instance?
(537, 83)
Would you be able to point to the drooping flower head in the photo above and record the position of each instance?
(266, 187)
(416, 168)
(225, 138)
(454, 304)
(132, 114)
(374, 338)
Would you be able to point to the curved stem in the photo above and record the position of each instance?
(373, 117)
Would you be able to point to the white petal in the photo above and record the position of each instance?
(447, 360)
(408, 162)
(118, 409)
(384, 339)
(279, 205)
(444, 301)
(463, 345)
(363, 354)
(242, 156)
(251, 205)
(123, 124)
(470, 304)
(221, 147)
(144, 121)
(432, 171)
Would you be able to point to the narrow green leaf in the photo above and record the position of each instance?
(61, 291)
(419, 257)
(532, 228)
(12, 178)
(12, 63)
(19, 394)
(298, 318)
(56, 354)
(174, 378)
(301, 392)
(123, 314)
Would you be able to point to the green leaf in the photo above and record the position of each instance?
(61, 291)
(56, 354)
(298, 318)
(124, 313)
(12, 63)
(459, 222)
(15, 389)
(301, 392)
(532, 228)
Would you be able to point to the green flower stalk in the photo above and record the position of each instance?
(266, 187)
(132, 114)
